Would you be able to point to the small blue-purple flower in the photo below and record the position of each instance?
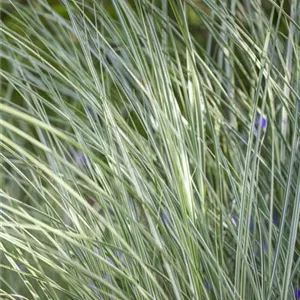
(165, 216)
(80, 158)
(207, 286)
(276, 219)
(251, 225)
(110, 260)
(96, 250)
(297, 294)
(261, 122)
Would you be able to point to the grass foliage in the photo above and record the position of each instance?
(150, 150)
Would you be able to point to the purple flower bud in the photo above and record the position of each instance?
(297, 294)
(265, 247)
(261, 122)
(110, 261)
(276, 219)
(207, 286)
(96, 250)
(105, 277)
(165, 216)
(80, 158)
(251, 224)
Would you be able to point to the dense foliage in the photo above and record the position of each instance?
(150, 149)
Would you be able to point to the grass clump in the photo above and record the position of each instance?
(150, 149)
